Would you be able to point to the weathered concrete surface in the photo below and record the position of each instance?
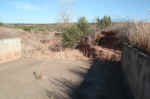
(136, 66)
(10, 49)
(18, 82)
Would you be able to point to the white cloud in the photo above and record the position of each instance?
(25, 6)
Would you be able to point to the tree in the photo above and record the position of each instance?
(66, 11)
(83, 25)
(72, 35)
(104, 22)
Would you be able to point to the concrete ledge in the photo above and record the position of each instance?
(10, 49)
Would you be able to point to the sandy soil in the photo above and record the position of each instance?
(59, 75)
(17, 80)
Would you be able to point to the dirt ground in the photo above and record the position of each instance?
(17, 79)
(33, 76)
(68, 74)
(54, 79)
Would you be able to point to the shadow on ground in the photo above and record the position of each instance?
(104, 80)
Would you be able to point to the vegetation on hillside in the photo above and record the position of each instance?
(73, 34)
(134, 33)
(139, 35)
(35, 27)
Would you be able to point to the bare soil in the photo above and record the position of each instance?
(43, 74)
(17, 80)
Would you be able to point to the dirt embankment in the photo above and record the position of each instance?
(42, 44)
(106, 47)
(47, 45)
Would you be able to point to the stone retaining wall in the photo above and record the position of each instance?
(10, 49)
(136, 66)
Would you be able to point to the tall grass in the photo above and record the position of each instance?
(139, 35)
(135, 33)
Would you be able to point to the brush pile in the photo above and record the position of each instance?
(106, 47)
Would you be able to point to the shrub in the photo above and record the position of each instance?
(27, 28)
(71, 36)
(104, 22)
(23, 27)
(1, 23)
(83, 25)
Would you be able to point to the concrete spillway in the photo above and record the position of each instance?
(10, 48)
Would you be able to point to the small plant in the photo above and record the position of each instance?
(104, 22)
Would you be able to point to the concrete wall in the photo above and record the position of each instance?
(10, 49)
(136, 66)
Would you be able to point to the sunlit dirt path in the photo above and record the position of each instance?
(17, 80)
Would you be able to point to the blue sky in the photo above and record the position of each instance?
(48, 11)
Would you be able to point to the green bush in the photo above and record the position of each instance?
(104, 22)
(27, 28)
(1, 23)
(72, 35)
(24, 27)
(83, 25)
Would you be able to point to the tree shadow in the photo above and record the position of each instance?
(103, 80)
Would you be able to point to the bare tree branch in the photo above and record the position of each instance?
(66, 11)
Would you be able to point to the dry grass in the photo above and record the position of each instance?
(135, 33)
(39, 42)
(139, 35)
(42, 45)
(67, 54)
